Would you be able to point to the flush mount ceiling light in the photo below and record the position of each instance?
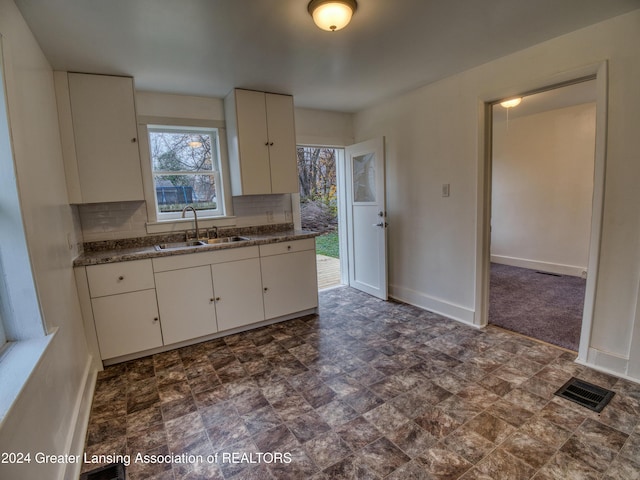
(332, 15)
(512, 102)
(194, 142)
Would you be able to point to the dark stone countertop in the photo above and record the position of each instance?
(144, 247)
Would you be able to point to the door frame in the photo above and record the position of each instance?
(341, 185)
(599, 72)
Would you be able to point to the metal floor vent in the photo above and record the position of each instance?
(115, 471)
(586, 394)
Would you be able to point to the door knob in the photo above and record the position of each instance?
(381, 224)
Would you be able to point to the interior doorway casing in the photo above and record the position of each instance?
(483, 237)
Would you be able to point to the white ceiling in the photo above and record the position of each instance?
(208, 47)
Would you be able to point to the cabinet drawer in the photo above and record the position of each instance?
(120, 277)
(287, 247)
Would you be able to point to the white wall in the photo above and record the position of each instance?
(542, 189)
(44, 415)
(321, 127)
(434, 136)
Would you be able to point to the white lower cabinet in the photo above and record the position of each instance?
(126, 323)
(125, 311)
(195, 295)
(238, 293)
(186, 303)
(289, 279)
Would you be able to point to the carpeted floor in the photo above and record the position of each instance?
(542, 306)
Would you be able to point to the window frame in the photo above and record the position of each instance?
(214, 135)
(3, 336)
(157, 223)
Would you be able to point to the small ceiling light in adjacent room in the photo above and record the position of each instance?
(332, 15)
(513, 102)
(195, 143)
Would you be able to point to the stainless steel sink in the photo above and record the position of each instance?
(214, 241)
(174, 245)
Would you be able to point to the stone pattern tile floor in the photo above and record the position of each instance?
(365, 390)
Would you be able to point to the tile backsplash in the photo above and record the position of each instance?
(118, 220)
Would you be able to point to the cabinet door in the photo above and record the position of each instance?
(282, 143)
(104, 129)
(290, 283)
(238, 293)
(253, 142)
(186, 304)
(126, 323)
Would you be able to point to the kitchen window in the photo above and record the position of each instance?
(185, 166)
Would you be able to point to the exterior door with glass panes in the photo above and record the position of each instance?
(367, 218)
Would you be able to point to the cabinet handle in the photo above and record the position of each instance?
(155, 320)
(217, 299)
(288, 247)
(271, 144)
(134, 140)
(265, 289)
(120, 278)
(211, 300)
(266, 144)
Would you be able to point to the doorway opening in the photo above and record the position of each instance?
(542, 204)
(319, 175)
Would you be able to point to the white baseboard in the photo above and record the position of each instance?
(82, 409)
(559, 268)
(432, 304)
(608, 363)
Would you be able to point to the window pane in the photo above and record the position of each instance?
(174, 192)
(181, 151)
(364, 178)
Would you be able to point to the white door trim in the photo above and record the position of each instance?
(483, 233)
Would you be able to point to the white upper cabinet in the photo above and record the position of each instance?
(99, 137)
(262, 143)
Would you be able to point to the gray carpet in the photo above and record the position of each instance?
(542, 306)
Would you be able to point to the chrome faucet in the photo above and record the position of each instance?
(195, 217)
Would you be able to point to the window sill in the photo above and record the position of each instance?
(18, 361)
(182, 224)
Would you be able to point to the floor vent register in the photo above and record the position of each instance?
(586, 394)
(115, 471)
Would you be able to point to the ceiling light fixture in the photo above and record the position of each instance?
(513, 102)
(332, 15)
